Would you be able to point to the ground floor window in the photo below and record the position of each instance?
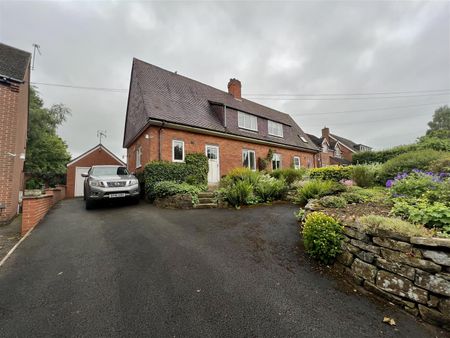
(296, 162)
(276, 161)
(138, 157)
(177, 151)
(249, 159)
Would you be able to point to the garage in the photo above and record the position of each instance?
(99, 155)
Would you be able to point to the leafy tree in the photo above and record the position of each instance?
(47, 153)
(441, 120)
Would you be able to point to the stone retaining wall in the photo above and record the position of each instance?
(180, 201)
(413, 273)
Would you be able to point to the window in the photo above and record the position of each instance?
(325, 147)
(338, 152)
(177, 151)
(303, 139)
(138, 157)
(249, 159)
(296, 162)
(275, 128)
(276, 161)
(247, 121)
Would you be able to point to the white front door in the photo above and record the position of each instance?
(79, 180)
(212, 152)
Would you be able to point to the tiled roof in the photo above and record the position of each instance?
(158, 94)
(13, 62)
(352, 145)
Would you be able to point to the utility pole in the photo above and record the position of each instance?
(38, 48)
(100, 134)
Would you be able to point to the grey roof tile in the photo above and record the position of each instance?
(13, 62)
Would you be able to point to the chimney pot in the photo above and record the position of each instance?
(234, 88)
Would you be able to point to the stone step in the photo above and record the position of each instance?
(205, 206)
(205, 200)
(206, 194)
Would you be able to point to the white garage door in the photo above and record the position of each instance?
(79, 180)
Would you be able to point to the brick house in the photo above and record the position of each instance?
(169, 115)
(14, 91)
(99, 155)
(335, 150)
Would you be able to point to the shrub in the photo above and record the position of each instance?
(415, 184)
(381, 156)
(290, 175)
(240, 174)
(331, 173)
(333, 202)
(353, 197)
(268, 188)
(322, 236)
(316, 189)
(420, 159)
(169, 188)
(441, 165)
(374, 222)
(300, 215)
(364, 175)
(239, 193)
(194, 171)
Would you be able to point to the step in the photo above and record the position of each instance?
(205, 194)
(205, 206)
(205, 200)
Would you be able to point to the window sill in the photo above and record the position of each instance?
(139, 166)
(251, 130)
(178, 161)
(275, 135)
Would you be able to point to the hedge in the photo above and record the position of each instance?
(193, 171)
(331, 173)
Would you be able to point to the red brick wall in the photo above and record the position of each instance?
(13, 131)
(97, 157)
(230, 151)
(35, 208)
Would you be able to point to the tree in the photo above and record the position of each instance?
(47, 153)
(440, 122)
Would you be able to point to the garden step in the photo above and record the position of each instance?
(205, 194)
(205, 206)
(205, 200)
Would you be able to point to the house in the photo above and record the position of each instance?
(169, 115)
(335, 150)
(14, 90)
(99, 155)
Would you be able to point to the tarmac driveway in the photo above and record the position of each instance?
(143, 271)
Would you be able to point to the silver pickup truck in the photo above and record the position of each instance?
(109, 182)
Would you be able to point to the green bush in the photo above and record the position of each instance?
(322, 236)
(240, 174)
(194, 171)
(317, 189)
(268, 188)
(375, 222)
(239, 193)
(353, 197)
(364, 175)
(333, 202)
(34, 183)
(441, 165)
(290, 175)
(415, 184)
(169, 188)
(420, 159)
(300, 215)
(331, 173)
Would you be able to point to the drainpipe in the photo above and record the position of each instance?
(225, 115)
(160, 140)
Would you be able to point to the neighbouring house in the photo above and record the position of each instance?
(335, 150)
(99, 155)
(14, 91)
(169, 115)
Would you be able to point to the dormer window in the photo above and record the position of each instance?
(275, 129)
(338, 152)
(247, 121)
(324, 147)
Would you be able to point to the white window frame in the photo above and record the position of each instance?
(248, 151)
(252, 120)
(138, 154)
(275, 128)
(299, 162)
(278, 156)
(338, 152)
(174, 142)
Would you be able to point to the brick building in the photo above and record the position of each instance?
(335, 150)
(169, 115)
(14, 91)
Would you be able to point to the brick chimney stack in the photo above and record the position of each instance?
(326, 133)
(234, 88)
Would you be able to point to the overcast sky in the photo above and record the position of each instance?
(299, 48)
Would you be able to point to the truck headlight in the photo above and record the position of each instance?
(96, 183)
(133, 181)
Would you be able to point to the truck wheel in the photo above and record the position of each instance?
(89, 204)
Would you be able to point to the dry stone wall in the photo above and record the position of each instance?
(413, 273)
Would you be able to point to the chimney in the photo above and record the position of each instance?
(326, 133)
(234, 88)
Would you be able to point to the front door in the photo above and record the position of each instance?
(212, 152)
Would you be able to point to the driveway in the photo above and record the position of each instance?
(143, 271)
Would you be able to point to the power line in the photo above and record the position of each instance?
(117, 90)
(348, 94)
(344, 98)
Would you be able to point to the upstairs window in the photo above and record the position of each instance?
(275, 129)
(138, 157)
(177, 151)
(296, 162)
(337, 152)
(276, 161)
(247, 121)
(249, 159)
